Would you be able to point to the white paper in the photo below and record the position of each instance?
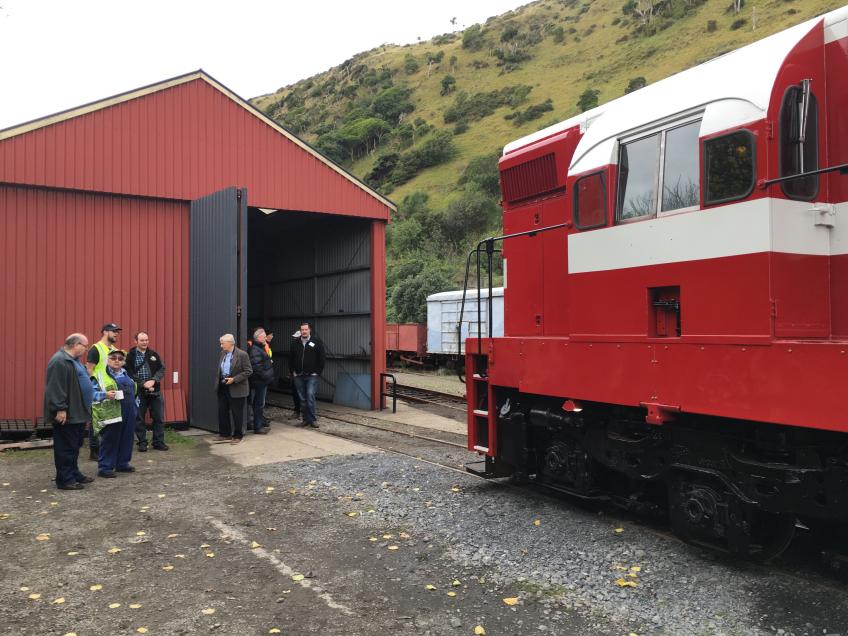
(119, 395)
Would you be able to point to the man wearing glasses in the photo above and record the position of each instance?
(68, 394)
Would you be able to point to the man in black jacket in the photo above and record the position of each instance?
(306, 363)
(263, 375)
(67, 406)
(147, 369)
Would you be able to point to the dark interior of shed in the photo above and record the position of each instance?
(316, 268)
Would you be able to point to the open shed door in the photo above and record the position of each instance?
(217, 292)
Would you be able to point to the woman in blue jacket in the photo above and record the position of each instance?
(116, 436)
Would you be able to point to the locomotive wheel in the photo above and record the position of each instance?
(769, 536)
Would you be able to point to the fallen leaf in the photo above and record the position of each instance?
(44, 536)
(451, 594)
(168, 567)
(95, 588)
(35, 596)
(161, 495)
(271, 529)
(619, 530)
(208, 610)
(371, 510)
(71, 634)
(73, 553)
(454, 489)
(135, 606)
(388, 536)
(373, 539)
(393, 547)
(59, 600)
(43, 490)
(273, 630)
(114, 550)
(418, 489)
(537, 522)
(403, 535)
(255, 545)
(140, 533)
(635, 568)
(172, 536)
(210, 554)
(54, 503)
(205, 545)
(352, 514)
(142, 630)
(252, 512)
(179, 556)
(297, 577)
(6, 483)
(269, 489)
(511, 600)
(479, 631)
(429, 586)
(633, 634)
(114, 605)
(624, 583)
(24, 588)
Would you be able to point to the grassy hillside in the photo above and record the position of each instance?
(387, 108)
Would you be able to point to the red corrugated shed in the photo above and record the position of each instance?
(181, 139)
(85, 192)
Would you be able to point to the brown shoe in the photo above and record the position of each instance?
(236, 440)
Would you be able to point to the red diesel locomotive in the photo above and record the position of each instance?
(676, 302)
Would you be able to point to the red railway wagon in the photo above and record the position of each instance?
(406, 340)
(676, 310)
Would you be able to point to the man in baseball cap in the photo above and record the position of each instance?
(95, 364)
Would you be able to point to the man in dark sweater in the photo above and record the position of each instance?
(306, 363)
(147, 369)
(262, 377)
(68, 394)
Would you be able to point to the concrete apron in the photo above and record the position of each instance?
(283, 444)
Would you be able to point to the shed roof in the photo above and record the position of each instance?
(156, 131)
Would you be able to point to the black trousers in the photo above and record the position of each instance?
(156, 405)
(230, 406)
(67, 439)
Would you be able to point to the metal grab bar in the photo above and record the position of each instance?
(383, 393)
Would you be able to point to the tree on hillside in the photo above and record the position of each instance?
(448, 84)
(472, 38)
(635, 84)
(588, 99)
(391, 103)
(410, 64)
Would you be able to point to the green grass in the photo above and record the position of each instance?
(173, 438)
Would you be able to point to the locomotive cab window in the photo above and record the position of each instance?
(590, 201)
(659, 174)
(799, 148)
(728, 167)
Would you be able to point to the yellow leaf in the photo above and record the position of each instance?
(144, 509)
(59, 600)
(114, 605)
(635, 568)
(172, 536)
(393, 547)
(403, 535)
(135, 605)
(454, 489)
(352, 514)
(269, 489)
(54, 503)
(95, 588)
(255, 545)
(633, 634)
(35, 596)
(167, 568)
(208, 610)
(371, 510)
(252, 512)
(140, 533)
(161, 496)
(142, 630)
(511, 600)
(44, 536)
(273, 630)
(6, 483)
(205, 545)
(479, 631)
(71, 634)
(271, 529)
(537, 522)
(430, 586)
(625, 583)
(619, 530)
(456, 583)
(24, 588)
(373, 539)
(43, 490)
(114, 550)
(388, 536)
(297, 577)
(211, 555)
(179, 556)
(73, 553)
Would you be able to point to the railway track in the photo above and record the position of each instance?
(429, 396)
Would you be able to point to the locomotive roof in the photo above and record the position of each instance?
(742, 79)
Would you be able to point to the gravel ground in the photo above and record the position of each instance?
(446, 383)
(326, 519)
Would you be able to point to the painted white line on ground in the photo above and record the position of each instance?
(281, 567)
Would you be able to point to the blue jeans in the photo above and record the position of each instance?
(258, 404)
(67, 439)
(306, 385)
(116, 443)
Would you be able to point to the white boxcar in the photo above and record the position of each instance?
(443, 317)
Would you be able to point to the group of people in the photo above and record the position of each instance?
(108, 397)
(246, 375)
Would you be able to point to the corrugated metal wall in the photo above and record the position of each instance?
(313, 268)
(72, 261)
(182, 142)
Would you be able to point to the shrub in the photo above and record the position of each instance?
(588, 99)
(382, 169)
(482, 173)
(559, 35)
(480, 105)
(410, 64)
(460, 128)
(472, 38)
(738, 24)
(408, 300)
(448, 84)
(390, 103)
(531, 113)
(711, 26)
(509, 32)
(635, 84)
(469, 213)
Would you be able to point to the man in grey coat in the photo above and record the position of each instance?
(232, 386)
(68, 394)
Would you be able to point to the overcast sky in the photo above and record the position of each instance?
(57, 54)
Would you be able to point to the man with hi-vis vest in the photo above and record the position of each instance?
(95, 363)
